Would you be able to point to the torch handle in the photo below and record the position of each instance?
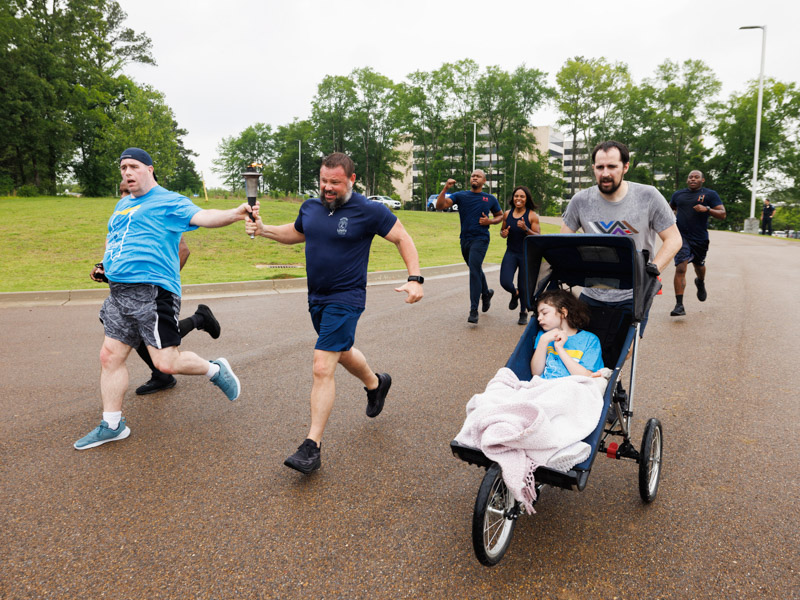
(252, 202)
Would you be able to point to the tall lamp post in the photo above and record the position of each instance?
(751, 224)
(299, 167)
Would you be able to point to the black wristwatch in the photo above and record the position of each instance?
(418, 278)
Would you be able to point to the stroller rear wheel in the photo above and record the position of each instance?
(494, 518)
(650, 460)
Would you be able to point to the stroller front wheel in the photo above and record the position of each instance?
(650, 460)
(494, 518)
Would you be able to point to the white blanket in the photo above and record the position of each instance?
(523, 425)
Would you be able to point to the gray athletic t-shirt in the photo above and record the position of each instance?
(642, 214)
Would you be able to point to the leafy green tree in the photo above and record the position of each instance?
(291, 143)
(58, 62)
(253, 145)
(683, 94)
(732, 165)
(331, 113)
(185, 177)
(376, 120)
(506, 102)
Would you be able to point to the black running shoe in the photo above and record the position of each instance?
(376, 397)
(473, 316)
(486, 300)
(523, 318)
(209, 321)
(307, 458)
(678, 311)
(701, 289)
(514, 302)
(156, 384)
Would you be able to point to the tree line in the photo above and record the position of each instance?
(672, 121)
(67, 109)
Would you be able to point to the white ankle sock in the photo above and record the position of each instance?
(213, 369)
(112, 418)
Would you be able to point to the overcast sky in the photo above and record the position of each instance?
(226, 65)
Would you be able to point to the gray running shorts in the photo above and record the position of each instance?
(136, 312)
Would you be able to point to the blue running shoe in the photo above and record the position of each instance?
(102, 434)
(226, 380)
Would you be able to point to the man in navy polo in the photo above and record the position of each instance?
(693, 206)
(474, 207)
(338, 228)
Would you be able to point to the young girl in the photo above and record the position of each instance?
(562, 348)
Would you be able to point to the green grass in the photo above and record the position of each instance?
(52, 244)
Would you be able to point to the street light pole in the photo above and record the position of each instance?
(299, 167)
(751, 225)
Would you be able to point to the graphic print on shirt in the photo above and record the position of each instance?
(117, 244)
(341, 229)
(614, 227)
(576, 354)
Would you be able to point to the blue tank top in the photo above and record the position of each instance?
(515, 233)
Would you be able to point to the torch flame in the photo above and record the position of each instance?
(255, 165)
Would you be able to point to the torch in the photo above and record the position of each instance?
(251, 175)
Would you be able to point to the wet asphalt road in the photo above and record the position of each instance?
(197, 504)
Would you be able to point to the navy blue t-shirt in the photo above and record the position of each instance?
(471, 205)
(337, 247)
(693, 225)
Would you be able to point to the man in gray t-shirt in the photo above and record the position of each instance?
(620, 207)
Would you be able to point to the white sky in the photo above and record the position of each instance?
(226, 65)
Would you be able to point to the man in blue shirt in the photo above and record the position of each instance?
(142, 265)
(693, 206)
(338, 228)
(474, 207)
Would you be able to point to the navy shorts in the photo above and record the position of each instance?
(336, 326)
(136, 312)
(694, 251)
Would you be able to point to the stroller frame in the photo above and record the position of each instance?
(584, 260)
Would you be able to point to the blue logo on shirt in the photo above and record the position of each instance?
(341, 229)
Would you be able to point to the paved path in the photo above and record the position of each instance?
(197, 504)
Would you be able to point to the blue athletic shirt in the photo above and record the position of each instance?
(693, 225)
(584, 347)
(470, 207)
(337, 247)
(143, 238)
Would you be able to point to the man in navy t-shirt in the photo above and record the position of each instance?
(338, 228)
(474, 208)
(693, 205)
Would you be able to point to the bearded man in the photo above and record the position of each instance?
(338, 228)
(620, 207)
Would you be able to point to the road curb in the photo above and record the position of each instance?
(221, 290)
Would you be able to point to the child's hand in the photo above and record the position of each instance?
(559, 338)
(548, 336)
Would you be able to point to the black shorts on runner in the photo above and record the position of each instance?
(693, 251)
(136, 312)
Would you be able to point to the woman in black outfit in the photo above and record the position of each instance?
(518, 223)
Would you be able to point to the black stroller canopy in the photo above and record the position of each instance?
(590, 261)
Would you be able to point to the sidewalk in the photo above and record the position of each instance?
(224, 290)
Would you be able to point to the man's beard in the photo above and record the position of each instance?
(476, 187)
(614, 186)
(339, 201)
